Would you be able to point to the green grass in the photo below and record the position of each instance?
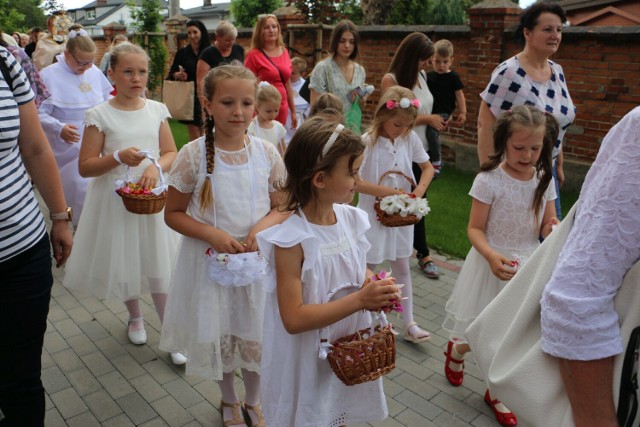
(450, 205)
(179, 131)
(448, 198)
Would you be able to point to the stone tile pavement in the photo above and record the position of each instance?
(93, 376)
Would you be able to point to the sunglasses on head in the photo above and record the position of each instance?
(266, 15)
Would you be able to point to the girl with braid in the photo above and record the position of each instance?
(221, 194)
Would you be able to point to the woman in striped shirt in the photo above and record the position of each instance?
(25, 255)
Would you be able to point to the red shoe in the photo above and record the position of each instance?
(507, 419)
(454, 377)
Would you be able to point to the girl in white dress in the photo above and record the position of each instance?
(221, 194)
(512, 206)
(264, 125)
(76, 85)
(319, 248)
(393, 146)
(115, 251)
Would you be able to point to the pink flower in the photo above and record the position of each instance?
(395, 304)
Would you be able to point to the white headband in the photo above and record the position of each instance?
(73, 33)
(332, 140)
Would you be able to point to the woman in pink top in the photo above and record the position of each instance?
(269, 60)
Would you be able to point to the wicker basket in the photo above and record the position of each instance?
(394, 220)
(143, 204)
(363, 356)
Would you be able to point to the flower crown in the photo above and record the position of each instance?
(404, 103)
(264, 84)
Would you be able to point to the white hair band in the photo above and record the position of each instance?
(81, 32)
(332, 139)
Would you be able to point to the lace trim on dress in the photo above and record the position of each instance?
(335, 248)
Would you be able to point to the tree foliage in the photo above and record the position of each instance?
(328, 12)
(147, 18)
(50, 6)
(430, 12)
(21, 15)
(245, 12)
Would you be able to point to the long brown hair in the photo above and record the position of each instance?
(527, 117)
(303, 158)
(210, 81)
(414, 48)
(256, 38)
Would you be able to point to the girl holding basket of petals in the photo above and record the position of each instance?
(321, 247)
(221, 194)
(393, 146)
(116, 250)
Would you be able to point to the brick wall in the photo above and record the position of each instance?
(602, 65)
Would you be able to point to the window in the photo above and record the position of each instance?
(91, 14)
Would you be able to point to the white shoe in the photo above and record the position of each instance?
(137, 337)
(178, 358)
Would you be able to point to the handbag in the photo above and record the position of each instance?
(179, 98)
(304, 91)
(628, 401)
(506, 338)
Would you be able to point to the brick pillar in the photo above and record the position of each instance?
(488, 21)
(111, 30)
(174, 26)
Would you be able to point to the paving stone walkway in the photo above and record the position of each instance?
(93, 376)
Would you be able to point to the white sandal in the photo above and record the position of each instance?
(420, 336)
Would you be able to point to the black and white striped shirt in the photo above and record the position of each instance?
(21, 222)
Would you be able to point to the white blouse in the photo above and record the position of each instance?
(578, 317)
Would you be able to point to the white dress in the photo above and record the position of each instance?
(219, 328)
(71, 95)
(511, 229)
(389, 243)
(298, 389)
(115, 251)
(274, 135)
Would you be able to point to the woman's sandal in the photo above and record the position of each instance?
(429, 268)
(454, 377)
(506, 419)
(420, 336)
(257, 410)
(236, 413)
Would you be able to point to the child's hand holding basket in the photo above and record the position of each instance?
(398, 210)
(141, 197)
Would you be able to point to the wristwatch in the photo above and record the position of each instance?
(66, 215)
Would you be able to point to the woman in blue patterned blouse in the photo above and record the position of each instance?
(530, 78)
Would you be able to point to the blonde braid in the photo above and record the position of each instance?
(206, 198)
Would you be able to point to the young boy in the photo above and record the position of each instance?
(299, 66)
(448, 99)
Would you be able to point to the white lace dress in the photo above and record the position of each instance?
(116, 251)
(511, 230)
(579, 321)
(299, 388)
(389, 243)
(219, 328)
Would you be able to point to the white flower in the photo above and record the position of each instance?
(405, 103)
(404, 204)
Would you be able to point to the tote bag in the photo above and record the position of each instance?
(179, 98)
(506, 338)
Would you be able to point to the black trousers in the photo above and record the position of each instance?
(25, 291)
(419, 236)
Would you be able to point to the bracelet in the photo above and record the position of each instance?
(117, 157)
